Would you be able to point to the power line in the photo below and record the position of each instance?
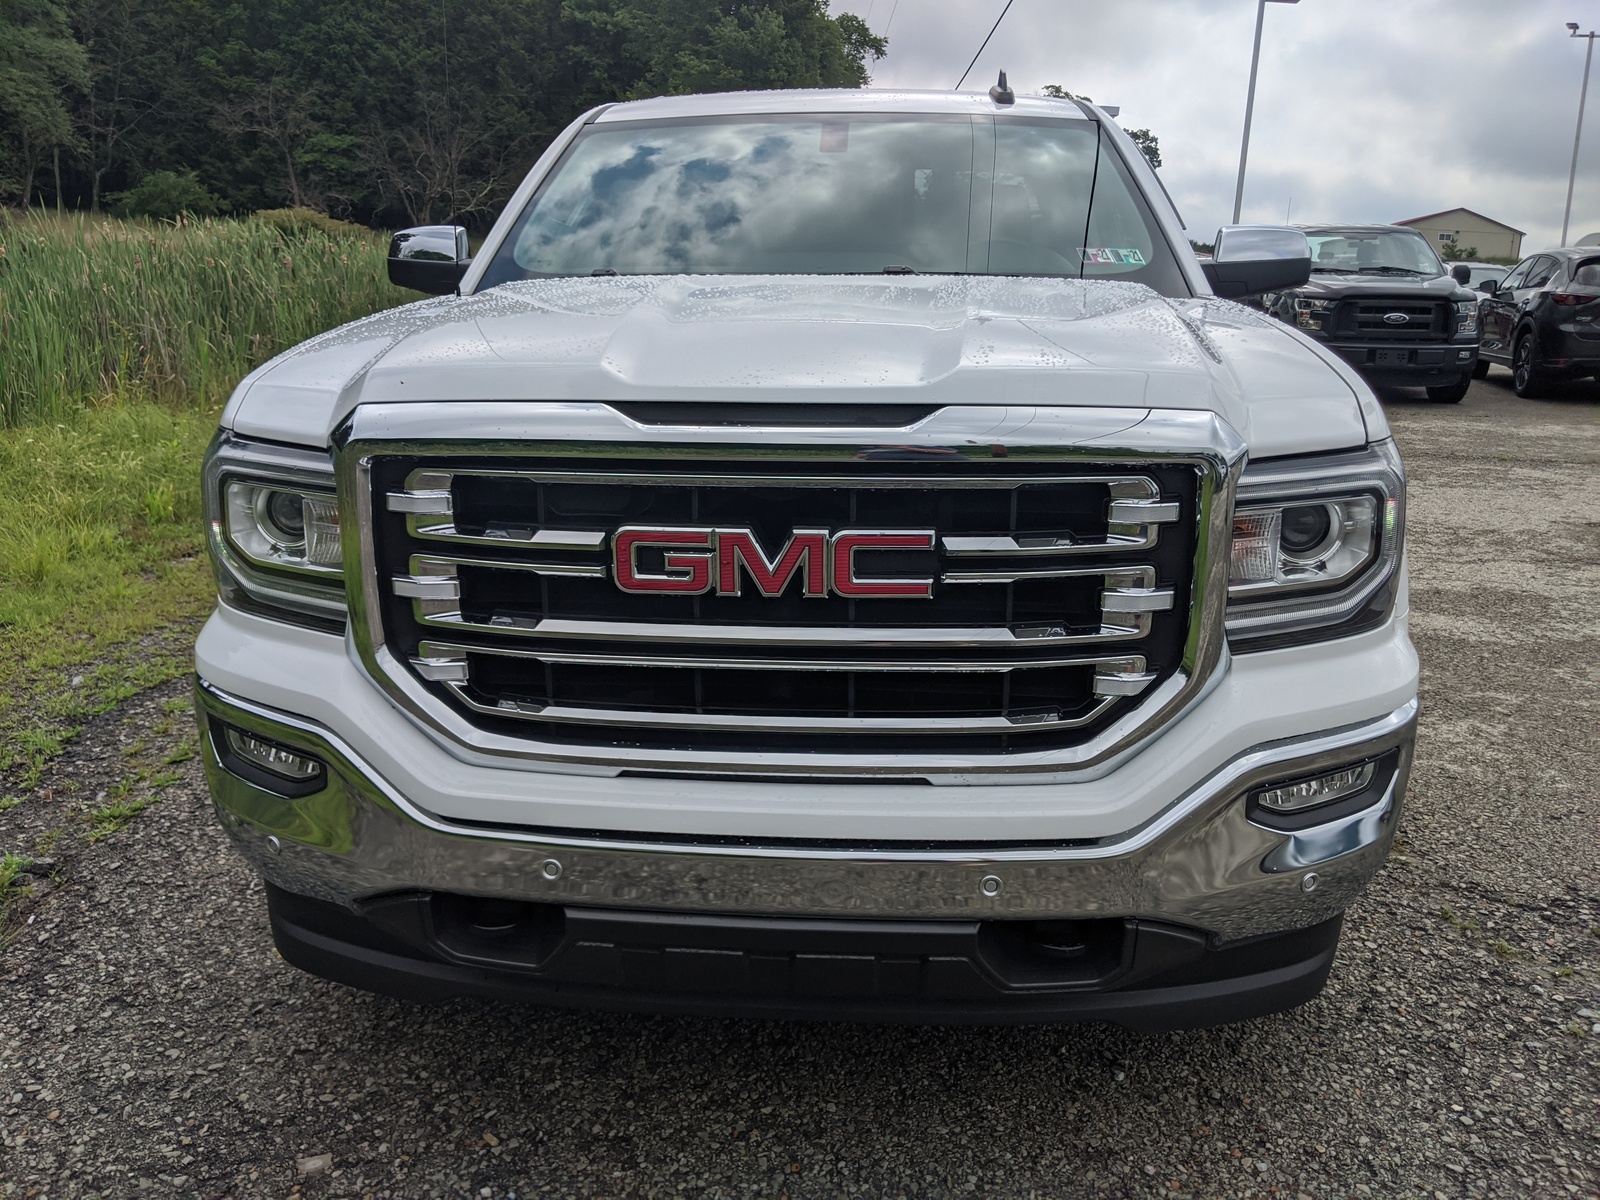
(892, 12)
(992, 28)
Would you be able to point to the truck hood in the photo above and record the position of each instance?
(938, 340)
(1440, 287)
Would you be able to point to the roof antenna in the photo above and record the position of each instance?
(981, 48)
(1001, 92)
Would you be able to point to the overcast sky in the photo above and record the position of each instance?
(1366, 110)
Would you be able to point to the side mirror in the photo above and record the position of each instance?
(1489, 286)
(1251, 259)
(429, 258)
(1461, 273)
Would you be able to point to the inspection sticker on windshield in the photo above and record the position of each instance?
(1115, 255)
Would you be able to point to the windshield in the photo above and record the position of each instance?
(1369, 252)
(836, 195)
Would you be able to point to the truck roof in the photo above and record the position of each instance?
(1351, 227)
(838, 100)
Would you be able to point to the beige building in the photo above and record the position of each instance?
(1468, 229)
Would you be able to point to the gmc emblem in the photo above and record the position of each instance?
(696, 561)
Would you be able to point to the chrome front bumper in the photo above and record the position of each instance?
(1200, 863)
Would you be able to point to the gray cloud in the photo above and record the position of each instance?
(1366, 110)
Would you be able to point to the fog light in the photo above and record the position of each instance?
(1463, 355)
(1309, 793)
(272, 756)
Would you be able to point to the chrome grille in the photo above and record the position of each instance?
(1062, 607)
(505, 600)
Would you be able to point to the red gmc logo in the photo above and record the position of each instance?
(696, 561)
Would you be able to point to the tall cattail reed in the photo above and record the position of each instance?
(94, 309)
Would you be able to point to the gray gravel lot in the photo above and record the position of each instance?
(151, 1041)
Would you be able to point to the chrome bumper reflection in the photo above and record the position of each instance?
(1200, 863)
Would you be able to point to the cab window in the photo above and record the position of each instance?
(1518, 273)
(1539, 273)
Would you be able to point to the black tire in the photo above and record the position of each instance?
(1455, 393)
(1481, 370)
(1527, 380)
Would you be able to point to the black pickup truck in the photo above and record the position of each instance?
(1380, 297)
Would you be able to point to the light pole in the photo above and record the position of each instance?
(1583, 95)
(1250, 102)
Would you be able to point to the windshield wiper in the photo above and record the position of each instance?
(603, 271)
(1387, 270)
(1334, 271)
(898, 270)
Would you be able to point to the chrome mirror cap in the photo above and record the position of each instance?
(429, 258)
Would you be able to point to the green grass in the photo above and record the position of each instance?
(89, 574)
(119, 343)
(92, 308)
(11, 865)
(115, 817)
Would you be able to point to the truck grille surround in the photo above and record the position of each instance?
(628, 600)
(1369, 320)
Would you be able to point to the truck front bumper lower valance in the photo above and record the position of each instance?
(1210, 861)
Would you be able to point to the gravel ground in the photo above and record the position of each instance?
(151, 1041)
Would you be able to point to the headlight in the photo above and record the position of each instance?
(274, 530)
(1466, 316)
(1316, 547)
(284, 527)
(1310, 314)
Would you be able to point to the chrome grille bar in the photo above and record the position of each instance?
(636, 632)
(1133, 511)
(1115, 677)
(436, 653)
(1126, 602)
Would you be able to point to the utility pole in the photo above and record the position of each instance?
(1583, 96)
(1250, 103)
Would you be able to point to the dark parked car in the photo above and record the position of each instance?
(1380, 297)
(1543, 320)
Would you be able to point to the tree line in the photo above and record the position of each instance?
(387, 112)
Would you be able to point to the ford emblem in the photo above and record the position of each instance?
(1396, 318)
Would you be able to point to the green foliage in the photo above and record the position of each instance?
(396, 112)
(1142, 138)
(682, 46)
(1149, 143)
(166, 196)
(1451, 252)
(306, 222)
(41, 69)
(91, 308)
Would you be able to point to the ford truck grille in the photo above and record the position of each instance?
(1377, 320)
(983, 606)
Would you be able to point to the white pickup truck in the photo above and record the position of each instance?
(827, 554)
